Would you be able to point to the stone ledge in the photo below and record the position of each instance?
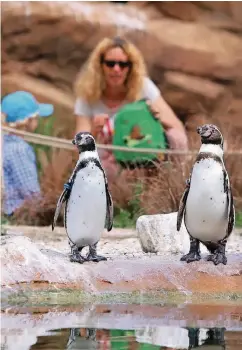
(23, 262)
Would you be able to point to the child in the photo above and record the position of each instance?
(21, 111)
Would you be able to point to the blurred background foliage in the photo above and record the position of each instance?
(193, 52)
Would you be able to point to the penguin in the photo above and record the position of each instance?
(88, 202)
(207, 202)
(78, 341)
(206, 338)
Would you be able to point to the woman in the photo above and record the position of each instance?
(114, 75)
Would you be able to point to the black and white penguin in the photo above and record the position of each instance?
(206, 338)
(89, 205)
(207, 202)
(78, 341)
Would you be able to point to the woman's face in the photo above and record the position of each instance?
(116, 66)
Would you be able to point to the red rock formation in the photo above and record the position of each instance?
(193, 49)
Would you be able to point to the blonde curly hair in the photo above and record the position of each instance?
(90, 82)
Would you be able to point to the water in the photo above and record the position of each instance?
(139, 339)
(123, 326)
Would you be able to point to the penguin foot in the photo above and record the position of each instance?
(217, 258)
(95, 258)
(92, 255)
(76, 257)
(190, 257)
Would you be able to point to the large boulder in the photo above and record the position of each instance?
(185, 92)
(158, 233)
(182, 46)
(218, 14)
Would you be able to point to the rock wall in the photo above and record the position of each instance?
(193, 51)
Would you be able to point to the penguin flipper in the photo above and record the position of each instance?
(182, 206)
(231, 211)
(231, 220)
(109, 211)
(62, 199)
(109, 205)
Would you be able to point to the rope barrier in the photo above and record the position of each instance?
(66, 144)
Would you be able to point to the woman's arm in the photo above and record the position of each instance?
(166, 115)
(83, 123)
(175, 131)
(85, 120)
(159, 107)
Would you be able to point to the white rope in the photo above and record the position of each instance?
(66, 144)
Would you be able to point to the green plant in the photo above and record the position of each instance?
(238, 219)
(123, 218)
(4, 220)
(126, 217)
(45, 127)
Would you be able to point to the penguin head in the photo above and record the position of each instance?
(210, 134)
(84, 141)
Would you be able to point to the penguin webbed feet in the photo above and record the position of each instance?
(92, 255)
(76, 256)
(194, 253)
(217, 258)
(191, 256)
(218, 253)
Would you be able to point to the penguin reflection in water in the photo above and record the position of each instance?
(207, 202)
(88, 202)
(78, 341)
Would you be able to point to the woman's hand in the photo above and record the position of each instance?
(98, 123)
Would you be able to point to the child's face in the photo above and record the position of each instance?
(33, 124)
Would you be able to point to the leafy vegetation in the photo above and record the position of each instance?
(238, 219)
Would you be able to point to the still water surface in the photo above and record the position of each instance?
(140, 339)
(123, 327)
(147, 338)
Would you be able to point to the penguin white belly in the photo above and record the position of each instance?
(206, 214)
(86, 208)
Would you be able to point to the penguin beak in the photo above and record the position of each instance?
(73, 142)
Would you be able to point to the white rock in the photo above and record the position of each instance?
(158, 233)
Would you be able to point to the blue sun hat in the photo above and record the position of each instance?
(22, 105)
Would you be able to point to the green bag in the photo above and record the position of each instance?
(135, 126)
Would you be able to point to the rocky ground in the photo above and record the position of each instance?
(155, 293)
(117, 243)
(120, 242)
(38, 258)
